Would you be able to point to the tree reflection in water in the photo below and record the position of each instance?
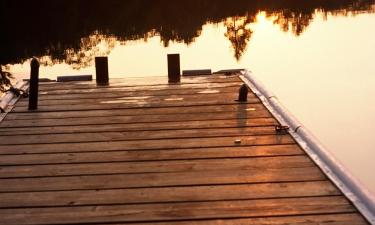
(75, 31)
(296, 21)
(238, 33)
(91, 46)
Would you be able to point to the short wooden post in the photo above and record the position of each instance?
(174, 73)
(101, 67)
(242, 93)
(34, 80)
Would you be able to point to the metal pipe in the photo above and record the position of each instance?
(355, 191)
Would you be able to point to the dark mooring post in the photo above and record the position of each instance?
(174, 73)
(242, 93)
(34, 80)
(101, 67)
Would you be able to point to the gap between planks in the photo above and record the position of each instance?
(177, 143)
(166, 166)
(169, 194)
(137, 119)
(135, 135)
(131, 112)
(180, 211)
(151, 126)
(171, 179)
(321, 219)
(152, 155)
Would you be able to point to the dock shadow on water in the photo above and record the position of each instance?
(74, 32)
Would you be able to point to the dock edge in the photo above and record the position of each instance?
(352, 188)
(9, 100)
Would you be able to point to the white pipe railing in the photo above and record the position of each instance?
(354, 190)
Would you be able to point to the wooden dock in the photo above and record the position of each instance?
(136, 152)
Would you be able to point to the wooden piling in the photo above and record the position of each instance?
(101, 67)
(242, 93)
(174, 73)
(34, 79)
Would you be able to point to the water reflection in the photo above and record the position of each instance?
(74, 32)
(239, 33)
(91, 46)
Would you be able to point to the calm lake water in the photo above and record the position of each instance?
(318, 60)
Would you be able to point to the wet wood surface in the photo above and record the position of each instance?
(148, 152)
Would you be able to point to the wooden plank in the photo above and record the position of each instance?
(322, 219)
(166, 100)
(123, 104)
(153, 80)
(253, 109)
(120, 127)
(241, 114)
(134, 135)
(146, 82)
(113, 89)
(148, 144)
(61, 88)
(178, 211)
(151, 155)
(142, 83)
(140, 180)
(292, 162)
(123, 92)
(168, 194)
(190, 96)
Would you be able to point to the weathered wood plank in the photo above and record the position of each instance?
(117, 181)
(134, 135)
(241, 114)
(83, 89)
(254, 109)
(168, 194)
(151, 155)
(178, 211)
(142, 83)
(113, 89)
(148, 144)
(292, 162)
(124, 92)
(323, 219)
(52, 86)
(121, 127)
(143, 101)
(135, 96)
(153, 102)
